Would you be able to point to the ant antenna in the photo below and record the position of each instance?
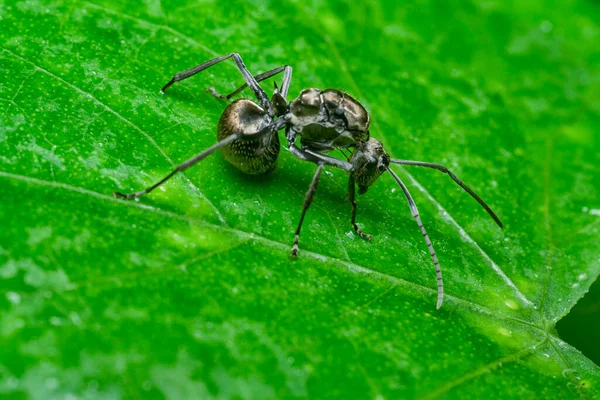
(460, 183)
(415, 213)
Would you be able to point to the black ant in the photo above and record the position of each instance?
(324, 120)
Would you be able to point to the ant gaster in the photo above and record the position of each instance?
(325, 120)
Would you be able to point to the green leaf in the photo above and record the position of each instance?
(190, 292)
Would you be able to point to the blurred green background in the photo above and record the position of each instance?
(190, 292)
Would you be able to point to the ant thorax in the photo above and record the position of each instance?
(327, 120)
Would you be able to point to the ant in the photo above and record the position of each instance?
(324, 120)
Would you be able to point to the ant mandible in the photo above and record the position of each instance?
(325, 120)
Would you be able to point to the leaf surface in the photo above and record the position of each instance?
(190, 292)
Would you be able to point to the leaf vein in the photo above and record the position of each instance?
(445, 388)
(547, 226)
(160, 26)
(114, 280)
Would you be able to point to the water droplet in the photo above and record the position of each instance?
(11, 382)
(585, 209)
(575, 285)
(595, 212)
(511, 304)
(75, 318)
(51, 383)
(504, 332)
(566, 372)
(582, 277)
(546, 26)
(13, 297)
(55, 321)
(234, 290)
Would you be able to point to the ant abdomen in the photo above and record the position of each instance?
(256, 151)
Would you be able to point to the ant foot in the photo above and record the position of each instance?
(214, 92)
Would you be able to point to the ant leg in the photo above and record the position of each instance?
(316, 157)
(287, 79)
(415, 213)
(460, 183)
(259, 78)
(181, 167)
(351, 199)
(250, 81)
(193, 71)
(312, 156)
(307, 200)
(334, 162)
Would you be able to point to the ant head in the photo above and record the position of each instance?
(370, 161)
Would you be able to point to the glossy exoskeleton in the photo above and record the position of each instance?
(323, 120)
